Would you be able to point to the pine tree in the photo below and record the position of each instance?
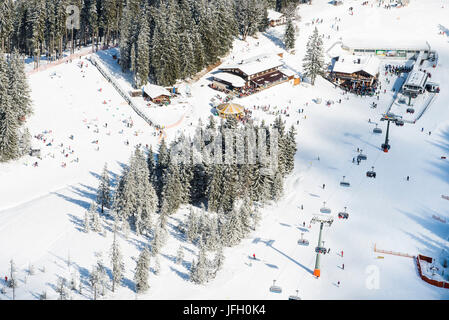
(158, 241)
(93, 212)
(94, 280)
(179, 255)
(86, 222)
(213, 240)
(61, 288)
(118, 266)
(9, 125)
(142, 271)
(192, 226)
(199, 271)
(219, 259)
(232, 231)
(104, 192)
(143, 53)
(314, 59)
(157, 266)
(289, 36)
(172, 191)
(214, 189)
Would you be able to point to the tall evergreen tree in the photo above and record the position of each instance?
(142, 271)
(118, 266)
(104, 190)
(314, 59)
(289, 36)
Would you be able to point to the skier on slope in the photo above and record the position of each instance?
(342, 253)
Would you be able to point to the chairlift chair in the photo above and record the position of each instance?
(324, 209)
(344, 183)
(302, 241)
(293, 297)
(343, 215)
(320, 250)
(377, 130)
(274, 288)
(371, 173)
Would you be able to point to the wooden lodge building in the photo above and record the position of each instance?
(252, 74)
(355, 73)
(276, 18)
(156, 94)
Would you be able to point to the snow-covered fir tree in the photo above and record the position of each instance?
(179, 255)
(142, 271)
(192, 226)
(104, 190)
(313, 63)
(289, 36)
(93, 212)
(199, 271)
(118, 266)
(157, 266)
(61, 288)
(86, 222)
(94, 279)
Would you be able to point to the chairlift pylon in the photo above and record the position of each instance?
(274, 288)
(295, 297)
(344, 183)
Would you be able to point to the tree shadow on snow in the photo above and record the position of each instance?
(424, 219)
(441, 166)
(275, 39)
(182, 275)
(77, 222)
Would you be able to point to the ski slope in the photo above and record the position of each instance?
(42, 208)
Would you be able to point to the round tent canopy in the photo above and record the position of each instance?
(230, 109)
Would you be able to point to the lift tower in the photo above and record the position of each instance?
(389, 118)
(322, 220)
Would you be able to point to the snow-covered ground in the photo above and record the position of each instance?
(42, 208)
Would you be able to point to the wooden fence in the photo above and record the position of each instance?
(394, 253)
(121, 91)
(440, 284)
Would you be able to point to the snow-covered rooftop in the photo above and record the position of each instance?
(274, 15)
(416, 78)
(236, 81)
(352, 63)
(386, 43)
(154, 91)
(256, 64)
(288, 72)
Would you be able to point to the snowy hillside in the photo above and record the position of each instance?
(42, 207)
